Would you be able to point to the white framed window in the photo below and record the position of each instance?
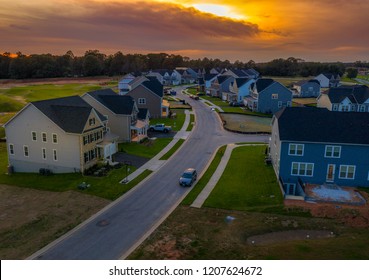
(362, 108)
(335, 107)
(296, 149)
(55, 155)
(92, 121)
(280, 104)
(142, 101)
(347, 172)
(332, 151)
(43, 153)
(26, 151)
(302, 169)
(44, 137)
(289, 104)
(275, 96)
(11, 149)
(34, 136)
(55, 138)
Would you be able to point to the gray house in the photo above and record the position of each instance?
(345, 99)
(121, 112)
(307, 88)
(62, 135)
(328, 80)
(268, 96)
(219, 85)
(149, 95)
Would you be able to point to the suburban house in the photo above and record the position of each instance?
(123, 84)
(307, 88)
(220, 85)
(328, 80)
(318, 146)
(188, 76)
(166, 77)
(238, 90)
(345, 99)
(149, 95)
(121, 112)
(61, 135)
(268, 96)
(204, 82)
(243, 73)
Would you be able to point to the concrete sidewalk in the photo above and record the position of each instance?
(199, 201)
(155, 163)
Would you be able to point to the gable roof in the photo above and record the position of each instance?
(142, 113)
(223, 78)
(155, 86)
(69, 113)
(241, 81)
(356, 94)
(208, 77)
(118, 104)
(309, 124)
(262, 84)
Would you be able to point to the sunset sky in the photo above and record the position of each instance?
(261, 30)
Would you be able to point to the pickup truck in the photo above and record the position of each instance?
(160, 127)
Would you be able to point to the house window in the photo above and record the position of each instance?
(86, 157)
(55, 155)
(142, 101)
(275, 96)
(43, 153)
(347, 171)
(345, 108)
(302, 169)
(279, 104)
(335, 107)
(11, 149)
(44, 139)
(25, 150)
(289, 103)
(91, 121)
(296, 150)
(55, 138)
(34, 136)
(362, 108)
(332, 151)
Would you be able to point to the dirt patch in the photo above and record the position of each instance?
(246, 123)
(30, 219)
(351, 215)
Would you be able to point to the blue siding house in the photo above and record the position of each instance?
(318, 146)
(310, 88)
(268, 96)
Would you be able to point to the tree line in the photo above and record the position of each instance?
(95, 63)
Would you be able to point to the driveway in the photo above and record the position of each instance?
(116, 230)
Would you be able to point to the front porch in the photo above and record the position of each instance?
(139, 131)
(251, 103)
(165, 109)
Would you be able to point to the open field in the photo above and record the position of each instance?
(30, 219)
(246, 123)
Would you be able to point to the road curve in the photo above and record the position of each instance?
(118, 228)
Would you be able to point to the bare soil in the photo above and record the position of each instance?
(30, 219)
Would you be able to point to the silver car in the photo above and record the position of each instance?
(188, 177)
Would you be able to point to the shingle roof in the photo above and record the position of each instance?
(208, 77)
(356, 94)
(69, 113)
(307, 124)
(118, 104)
(223, 78)
(262, 84)
(155, 86)
(241, 81)
(201, 81)
(142, 113)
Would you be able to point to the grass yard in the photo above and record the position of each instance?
(246, 123)
(246, 182)
(192, 122)
(176, 123)
(148, 148)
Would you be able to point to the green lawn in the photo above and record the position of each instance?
(205, 178)
(172, 150)
(246, 182)
(176, 123)
(147, 149)
(192, 122)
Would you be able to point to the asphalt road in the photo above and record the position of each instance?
(116, 230)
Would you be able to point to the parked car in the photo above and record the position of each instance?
(160, 127)
(188, 177)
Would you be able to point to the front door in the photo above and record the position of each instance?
(330, 172)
